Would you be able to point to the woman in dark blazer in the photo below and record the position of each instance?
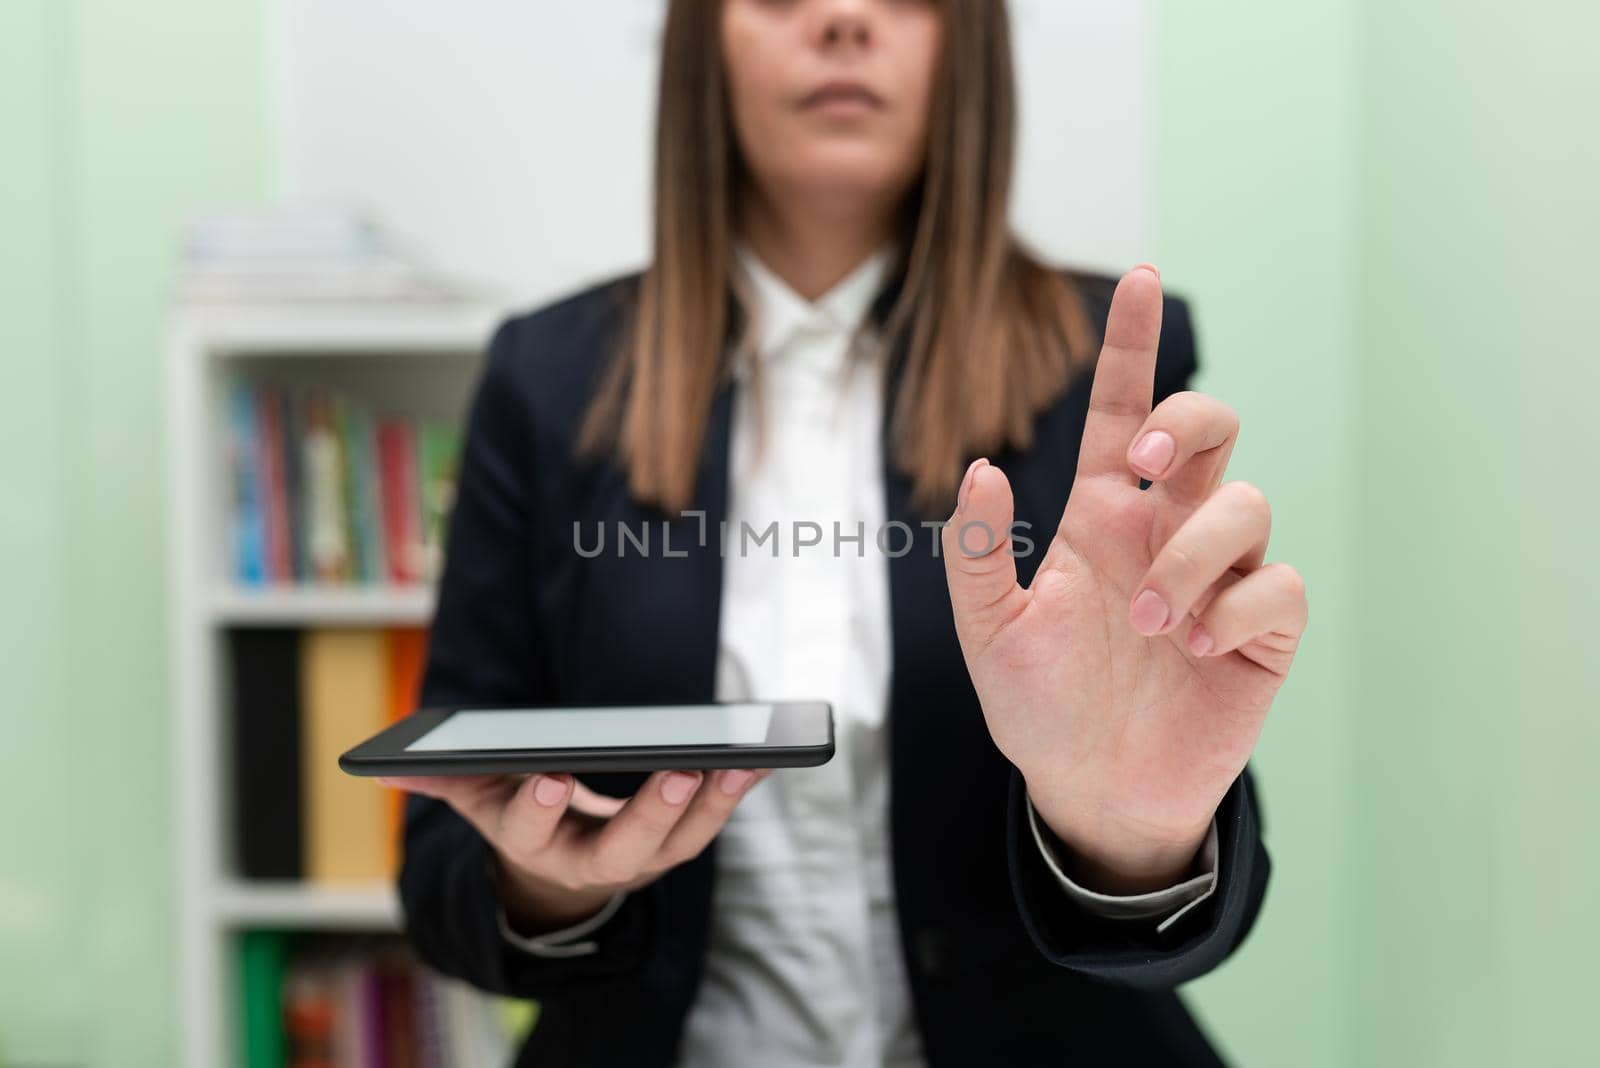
(1083, 638)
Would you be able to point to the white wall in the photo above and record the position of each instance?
(1083, 189)
(510, 139)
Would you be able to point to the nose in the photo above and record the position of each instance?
(845, 23)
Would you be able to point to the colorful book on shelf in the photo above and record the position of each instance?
(310, 1012)
(338, 1002)
(264, 667)
(270, 447)
(263, 966)
(402, 1024)
(361, 496)
(325, 491)
(326, 537)
(402, 508)
(299, 699)
(247, 533)
(339, 406)
(358, 1034)
(294, 431)
(344, 687)
(438, 453)
(408, 654)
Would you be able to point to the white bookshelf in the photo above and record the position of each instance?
(389, 607)
(421, 358)
(237, 904)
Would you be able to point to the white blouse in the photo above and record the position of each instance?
(803, 966)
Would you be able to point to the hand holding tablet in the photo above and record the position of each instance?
(561, 851)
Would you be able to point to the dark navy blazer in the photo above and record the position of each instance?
(1004, 969)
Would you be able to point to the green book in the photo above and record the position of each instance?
(438, 452)
(365, 521)
(354, 427)
(263, 960)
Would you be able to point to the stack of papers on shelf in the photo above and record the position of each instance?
(301, 254)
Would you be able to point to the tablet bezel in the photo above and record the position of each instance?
(385, 753)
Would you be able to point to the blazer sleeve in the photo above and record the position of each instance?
(1133, 953)
(1120, 951)
(483, 650)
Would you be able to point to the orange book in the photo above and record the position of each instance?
(344, 681)
(408, 653)
(309, 1015)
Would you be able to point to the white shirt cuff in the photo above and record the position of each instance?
(566, 942)
(1178, 900)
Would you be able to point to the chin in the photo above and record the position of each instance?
(850, 171)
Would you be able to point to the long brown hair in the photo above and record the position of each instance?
(989, 334)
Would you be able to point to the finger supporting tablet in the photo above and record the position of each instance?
(630, 841)
(710, 810)
(532, 814)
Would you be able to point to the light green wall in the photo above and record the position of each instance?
(1254, 220)
(40, 899)
(1386, 213)
(1478, 740)
(115, 120)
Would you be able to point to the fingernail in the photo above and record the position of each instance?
(1200, 642)
(1149, 613)
(676, 788)
(1151, 268)
(736, 780)
(548, 791)
(966, 482)
(1154, 452)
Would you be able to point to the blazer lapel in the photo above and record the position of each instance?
(704, 611)
(668, 639)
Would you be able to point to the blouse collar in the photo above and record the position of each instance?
(781, 313)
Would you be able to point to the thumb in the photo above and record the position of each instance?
(978, 565)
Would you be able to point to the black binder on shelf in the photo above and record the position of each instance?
(265, 669)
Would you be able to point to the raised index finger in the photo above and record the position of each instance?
(1124, 376)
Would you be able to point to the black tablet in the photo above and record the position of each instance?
(483, 741)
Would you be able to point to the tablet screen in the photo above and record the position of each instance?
(598, 728)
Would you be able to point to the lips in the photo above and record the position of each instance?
(841, 92)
